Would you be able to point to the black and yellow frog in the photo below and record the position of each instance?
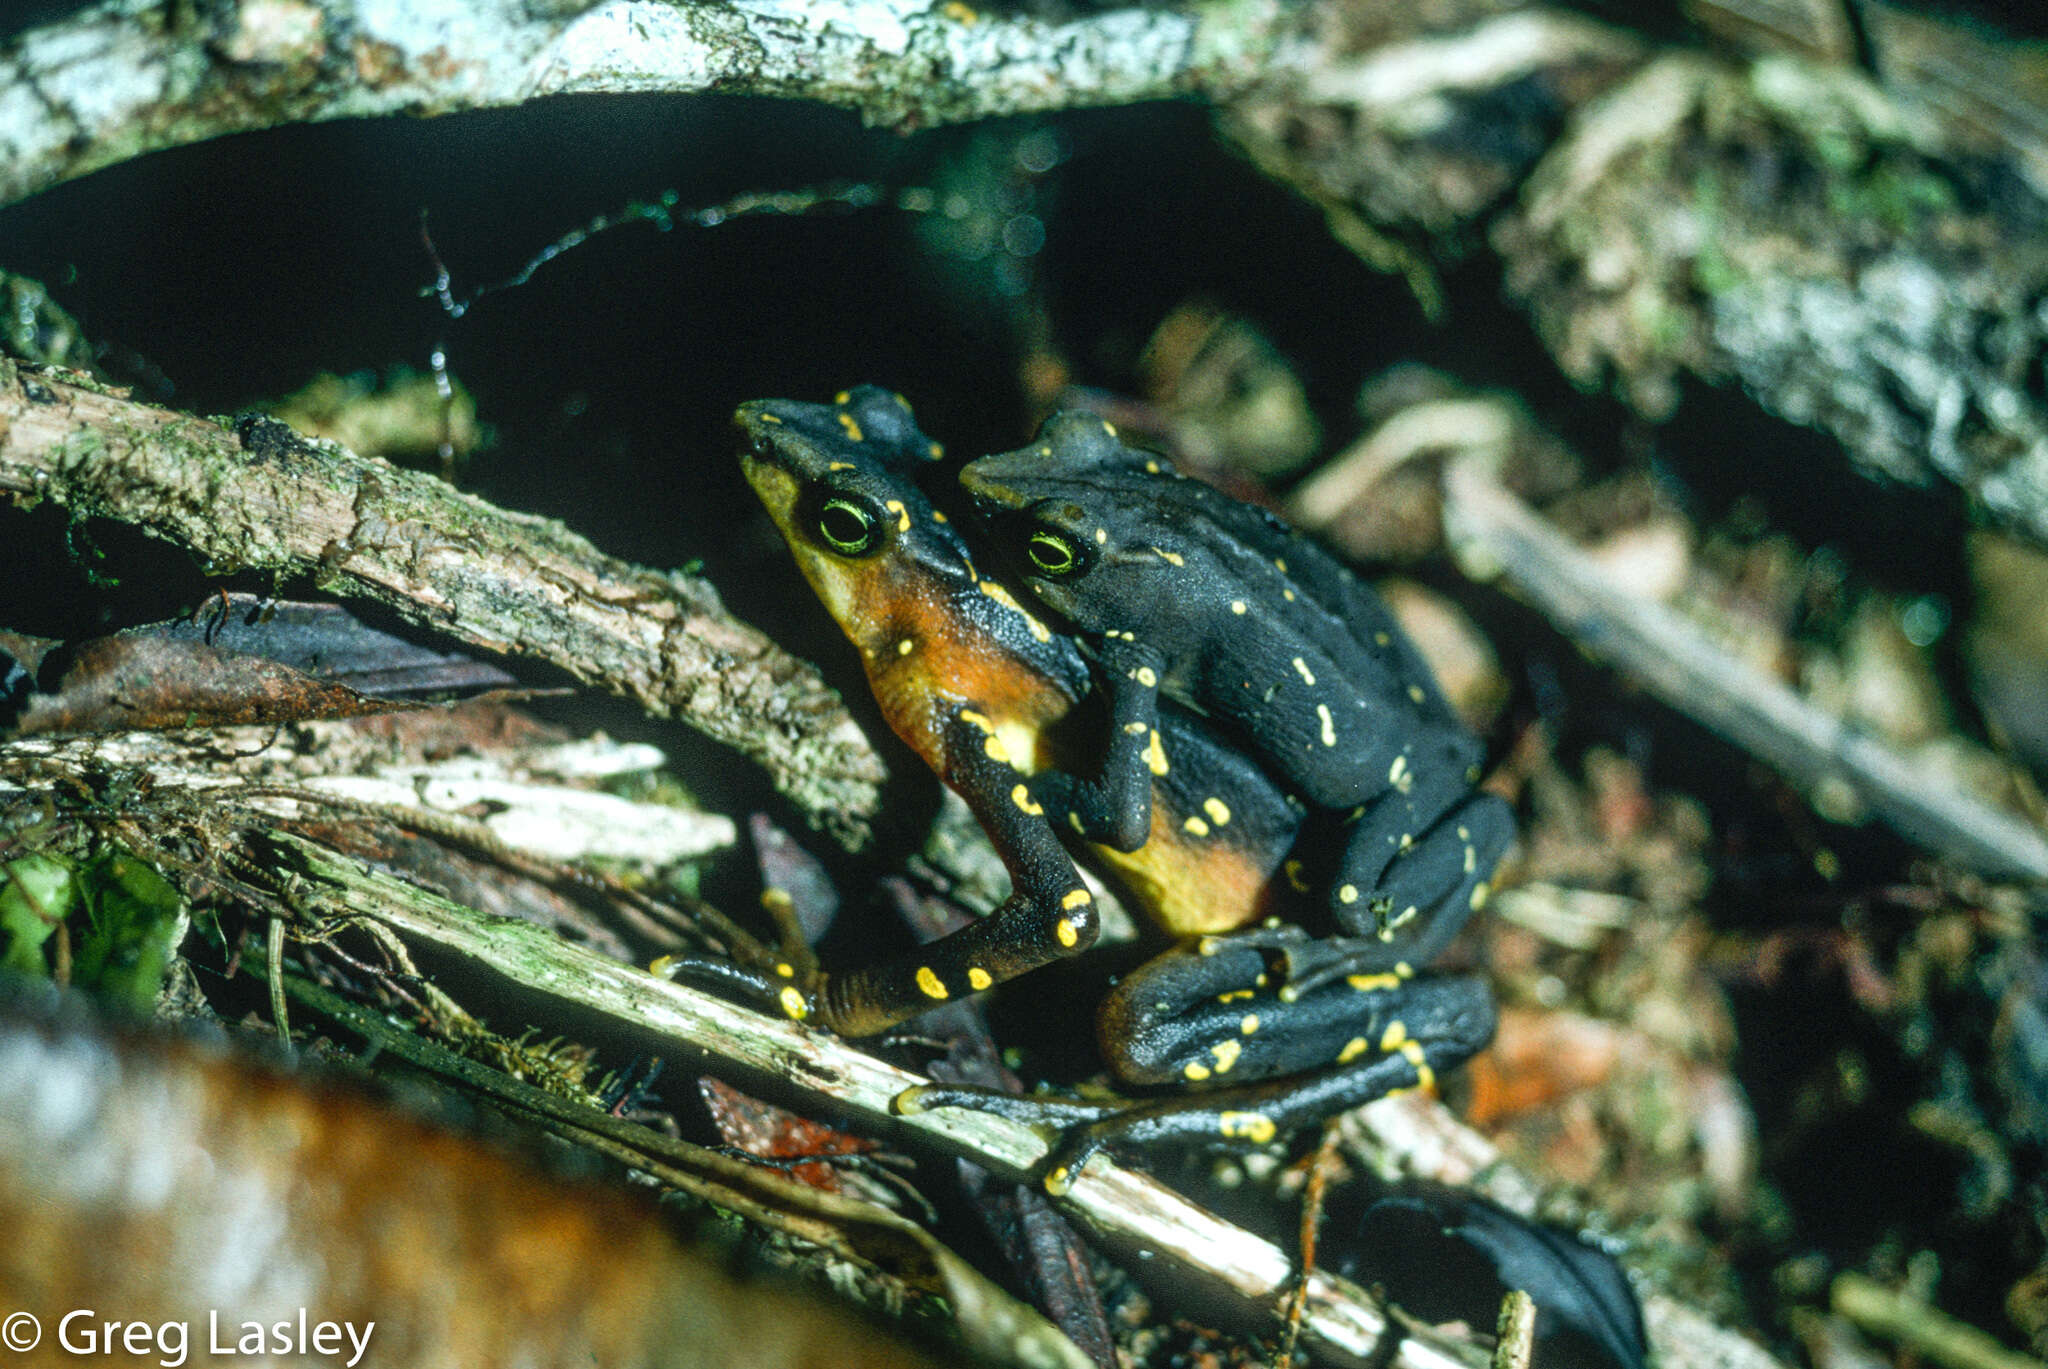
(1257, 1022)
(1173, 588)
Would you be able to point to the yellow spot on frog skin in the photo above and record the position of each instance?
(1008, 601)
(1415, 693)
(1237, 606)
(1479, 893)
(793, 1005)
(1255, 1127)
(1366, 983)
(1348, 894)
(1353, 1048)
(1398, 776)
(1234, 995)
(1155, 755)
(1208, 945)
(853, 431)
(1195, 1071)
(784, 969)
(1226, 1053)
(1250, 1023)
(1471, 860)
(1217, 809)
(1394, 1035)
(1196, 826)
(977, 720)
(839, 466)
(1109, 427)
(1074, 821)
(1151, 468)
(905, 647)
(1068, 934)
(1135, 729)
(978, 978)
(1292, 869)
(1021, 796)
(1076, 898)
(1280, 564)
(843, 397)
(1329, 724)
(997, 752)
(1288, 595)
(769, 418)
(1101, 537)
(1145, 676)
(929, 983)
(1059, 1181)
(935, 452)
(895, 506)
(1172, 558)
(1308, 677)
(1381, 639)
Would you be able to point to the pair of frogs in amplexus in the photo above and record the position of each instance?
(1277, 757)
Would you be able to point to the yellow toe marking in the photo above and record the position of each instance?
(1069, 935)
(978, 978)
(1076, 898)
(929, 983)
(1255, 1127)
(1021, 796)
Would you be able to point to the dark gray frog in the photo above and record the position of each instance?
(1172, 587)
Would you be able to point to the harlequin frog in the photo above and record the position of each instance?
(983, 691)
(1173, 588)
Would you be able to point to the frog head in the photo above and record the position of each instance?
(1073, 514)
(837, 480)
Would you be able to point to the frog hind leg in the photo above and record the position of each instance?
(1416, 865)
(1262, 1060)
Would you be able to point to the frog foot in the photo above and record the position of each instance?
(781, 988)
(1073, 1129)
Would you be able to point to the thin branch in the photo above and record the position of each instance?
(263, 499)
(127, 77)
(1498, 535)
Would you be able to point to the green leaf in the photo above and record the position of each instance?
(138, 919)
(36, 894)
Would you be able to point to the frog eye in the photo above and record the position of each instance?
(1052, 552)
(847, 527)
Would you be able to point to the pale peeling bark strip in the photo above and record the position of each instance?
(1494, 533)
(126, 77)
(1129, 1209)
(503, 581)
